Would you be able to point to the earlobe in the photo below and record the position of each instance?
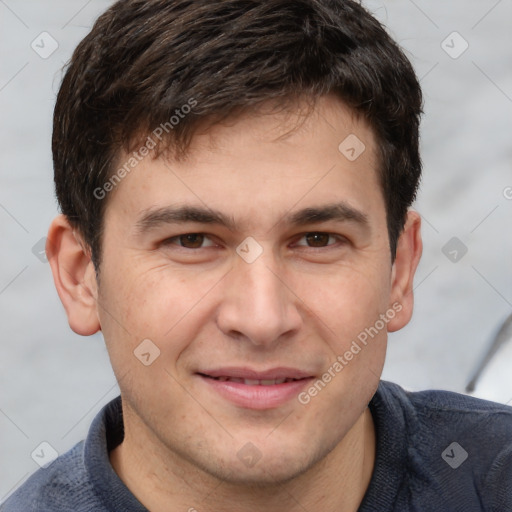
(74, 276)
(408, 254)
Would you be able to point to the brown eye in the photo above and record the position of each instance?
(318, 239)
(191, 241)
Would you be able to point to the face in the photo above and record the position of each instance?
(263, 256)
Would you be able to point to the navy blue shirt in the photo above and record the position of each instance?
(437, 451)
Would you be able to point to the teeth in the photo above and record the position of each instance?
(255, 382)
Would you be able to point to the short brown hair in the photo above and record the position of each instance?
(144, 60)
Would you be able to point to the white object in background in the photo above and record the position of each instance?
(492, 379)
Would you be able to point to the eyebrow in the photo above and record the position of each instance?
(153, 219)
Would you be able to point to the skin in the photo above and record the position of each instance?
(205, 307)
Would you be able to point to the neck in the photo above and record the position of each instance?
(163, 481)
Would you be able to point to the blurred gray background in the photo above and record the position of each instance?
(52, 382)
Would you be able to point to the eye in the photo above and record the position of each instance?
(189, 241)
(318, 239)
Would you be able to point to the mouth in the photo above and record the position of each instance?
(251, 382)
(253, 389)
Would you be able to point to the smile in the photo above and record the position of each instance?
(243, 388)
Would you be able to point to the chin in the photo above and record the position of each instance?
(268, 468)
(261, 476)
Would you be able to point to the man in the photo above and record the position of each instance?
(235, 180)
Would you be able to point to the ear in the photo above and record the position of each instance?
(74, 276)
(408, 254)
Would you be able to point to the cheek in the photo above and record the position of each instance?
(345, 301)
(157, 303)
(346, 312)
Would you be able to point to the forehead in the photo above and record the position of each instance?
(257, 167)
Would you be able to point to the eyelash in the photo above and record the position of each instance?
(339, 238)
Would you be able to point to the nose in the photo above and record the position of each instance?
(257, 303)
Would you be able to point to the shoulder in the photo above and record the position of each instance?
(62, 486)
(439, 410)
(441, 416)
(459, 445)
(438, 403)
(82, 479)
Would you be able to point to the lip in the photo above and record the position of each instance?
(258, 397)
